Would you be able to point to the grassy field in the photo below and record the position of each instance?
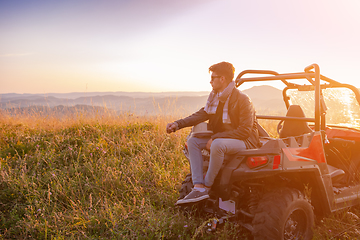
(106, 177)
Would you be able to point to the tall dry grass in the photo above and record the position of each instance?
(99, 177)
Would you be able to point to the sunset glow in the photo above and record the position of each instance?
(78, 46)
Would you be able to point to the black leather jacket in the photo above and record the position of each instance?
(243, 120)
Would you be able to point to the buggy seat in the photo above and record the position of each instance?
(292, 128)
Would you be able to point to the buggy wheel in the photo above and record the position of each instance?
(185, 189)
(186, 186)
(283, 214)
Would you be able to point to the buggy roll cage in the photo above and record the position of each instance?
(313, 76)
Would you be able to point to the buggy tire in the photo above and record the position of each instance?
(193, 208)
(283, 214)
(186, 186)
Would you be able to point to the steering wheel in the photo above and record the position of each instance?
(279, 126)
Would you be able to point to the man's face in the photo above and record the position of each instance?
(216, 82)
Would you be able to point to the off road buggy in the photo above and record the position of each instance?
(310, 169)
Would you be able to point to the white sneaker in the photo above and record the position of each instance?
(194, 196)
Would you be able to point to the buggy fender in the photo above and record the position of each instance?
(226, 173)
(316, 186)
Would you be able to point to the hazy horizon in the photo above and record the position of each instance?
(265, 98)
(129, 92)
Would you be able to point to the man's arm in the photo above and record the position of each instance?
(193, 119)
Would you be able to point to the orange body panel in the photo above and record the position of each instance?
(315, 151)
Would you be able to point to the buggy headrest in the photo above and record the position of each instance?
(292, 128)
(295, 111)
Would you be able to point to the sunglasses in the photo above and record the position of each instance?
(214, 77)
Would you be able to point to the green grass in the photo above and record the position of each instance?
(105, 177)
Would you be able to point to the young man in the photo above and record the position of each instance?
(232, 119)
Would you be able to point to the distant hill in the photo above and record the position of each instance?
(266, 99)
(264, 92)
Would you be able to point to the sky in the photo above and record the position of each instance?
(49, 46)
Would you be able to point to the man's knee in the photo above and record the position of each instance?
(191, 141)
(197, 142)
(227, 145)
(217, 144)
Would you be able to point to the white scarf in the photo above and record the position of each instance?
(214, 98)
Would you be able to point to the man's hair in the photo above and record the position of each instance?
(223, 69)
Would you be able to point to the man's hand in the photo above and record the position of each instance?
(171, 127)
(208, 144)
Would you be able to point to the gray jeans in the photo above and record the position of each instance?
(218, 149)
